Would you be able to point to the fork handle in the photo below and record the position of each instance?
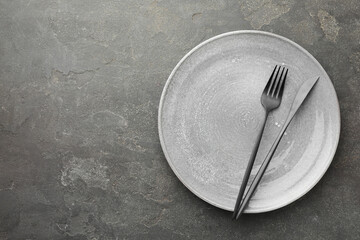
(249, 168)
(262, 169)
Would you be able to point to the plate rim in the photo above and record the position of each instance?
(164, 92)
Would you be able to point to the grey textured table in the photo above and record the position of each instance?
(80, 83)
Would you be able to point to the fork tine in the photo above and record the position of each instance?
(274, 88)
(271, 80)
(282, 84)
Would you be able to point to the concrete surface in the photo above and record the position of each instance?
(80, 83)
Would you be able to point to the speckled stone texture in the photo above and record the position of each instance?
(80, 83)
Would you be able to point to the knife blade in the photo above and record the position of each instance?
(301, 95)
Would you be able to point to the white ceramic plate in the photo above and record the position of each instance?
(210, 114)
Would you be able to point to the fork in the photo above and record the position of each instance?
(270, 100)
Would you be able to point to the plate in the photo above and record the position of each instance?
(210, 114)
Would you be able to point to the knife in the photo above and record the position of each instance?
(298, 100)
